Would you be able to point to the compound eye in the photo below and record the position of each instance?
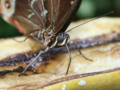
(61, 39)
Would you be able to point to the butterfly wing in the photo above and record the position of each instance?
(41, 14)
(66, 10)
(55, 13)
(25, 17)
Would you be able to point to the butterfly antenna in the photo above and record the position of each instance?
(90, 21)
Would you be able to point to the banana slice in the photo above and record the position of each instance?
(97, 40)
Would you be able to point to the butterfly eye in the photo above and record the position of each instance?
(7, 4)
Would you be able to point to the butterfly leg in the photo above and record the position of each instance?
(23, 39)
(82, 53)
(34, 59)
(35, 38)
(69, 57)
(27, 36)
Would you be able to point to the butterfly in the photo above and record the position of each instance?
(44, 20)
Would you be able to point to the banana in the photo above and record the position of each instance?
(97, 40)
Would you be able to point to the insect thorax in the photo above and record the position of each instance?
(51, 40)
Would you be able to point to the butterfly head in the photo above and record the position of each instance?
(62, 39)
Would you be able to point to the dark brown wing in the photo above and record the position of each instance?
(54, 13)
(71, 10)
(34, 14)
(25, 16)
(66, 10)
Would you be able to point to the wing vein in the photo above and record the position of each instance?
(36, 13)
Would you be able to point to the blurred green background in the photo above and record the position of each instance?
(88, 9)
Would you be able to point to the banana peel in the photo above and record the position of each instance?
(97, 40)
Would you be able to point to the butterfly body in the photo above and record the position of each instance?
(49, 17)
(45, 20)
